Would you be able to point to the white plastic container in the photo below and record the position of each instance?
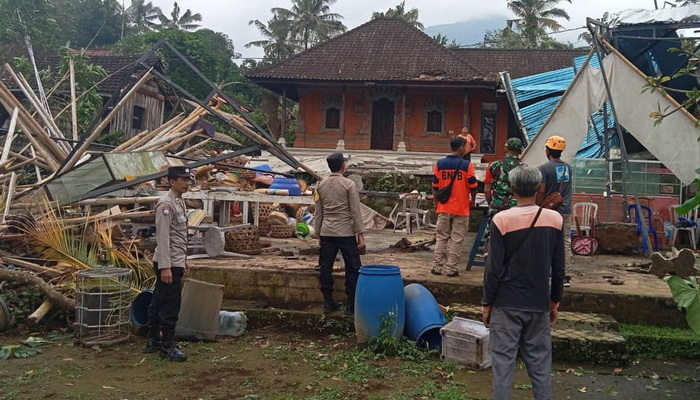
(232, 323)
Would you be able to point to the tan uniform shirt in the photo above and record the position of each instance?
(171, 232)
(338, 208)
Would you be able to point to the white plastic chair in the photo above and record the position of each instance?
(405, 214)
(587, 214)
(691, 215)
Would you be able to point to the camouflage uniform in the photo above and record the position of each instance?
(497, 174)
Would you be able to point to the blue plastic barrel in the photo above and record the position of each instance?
(423, 316)
(290, 184)
(379, 297)
(139, 308)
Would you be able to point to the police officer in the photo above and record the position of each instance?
(169, 263)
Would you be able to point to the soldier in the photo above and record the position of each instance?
(170, 265)
(496, 184)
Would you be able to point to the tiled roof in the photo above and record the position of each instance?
(116, 67)
(379, 50)
(518, 62)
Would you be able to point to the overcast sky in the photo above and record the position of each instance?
(231, 16)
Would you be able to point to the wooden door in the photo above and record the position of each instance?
(382, 125)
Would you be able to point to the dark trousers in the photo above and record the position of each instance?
(351, 255)
(165, 303)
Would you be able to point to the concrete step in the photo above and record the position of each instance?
(575, 337)
(593, 338)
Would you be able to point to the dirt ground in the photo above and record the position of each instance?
(590, 272)
(271, 364)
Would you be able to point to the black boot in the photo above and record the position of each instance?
(350, 306)
(329, 305)
(154, 341)
(169, 349)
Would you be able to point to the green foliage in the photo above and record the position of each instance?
(387, 344)
(17, 351)
(397, 183)
(22, 302)
(399, 12)
(211, 52)
(529, 30)
(87, 75)
(111, 138)
(661, 342)
(686, 294)
(178, 20)
(37, 20)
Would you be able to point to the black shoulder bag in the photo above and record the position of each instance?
(443, 195)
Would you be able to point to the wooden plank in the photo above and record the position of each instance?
(10, 136)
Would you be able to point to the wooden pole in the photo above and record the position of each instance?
(96, 132)
(130, 145)
(193, 148)
(182, 139)
(10, 136)
(118, 201)
(73, 102)
(8, 198)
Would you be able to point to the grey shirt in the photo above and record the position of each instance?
(171, 232)
(556, 175)
(338, 207)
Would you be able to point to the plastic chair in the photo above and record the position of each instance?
(690, 215)
(406, 212)
(637, 216)
(587, 214)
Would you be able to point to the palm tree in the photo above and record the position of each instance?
(534, 17)
(310, 21)
(142, 15)
(277, 45)
(185, 22)
(399, 12)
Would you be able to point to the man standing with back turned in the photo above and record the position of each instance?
(556, 177)
(169, 263)
(338, 222)
(453, 215)
(519, 304)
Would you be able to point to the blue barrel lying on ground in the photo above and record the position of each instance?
(379, 299)
(139, 308)
(423, 317)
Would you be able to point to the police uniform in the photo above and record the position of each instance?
(170, 253)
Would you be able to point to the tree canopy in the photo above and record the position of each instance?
(399, 12)
(535, 19)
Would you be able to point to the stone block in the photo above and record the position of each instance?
(616, 237)
(681, 263)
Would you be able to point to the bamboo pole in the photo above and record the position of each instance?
(131, 140)
(148, 137)
(238, 125)
(180, 140)
(8, 198)
(49, 158)
(73, 101)
(29, 125)
(193, 148)
(21, 164)
(10, 136)
(118, 201)
(96, 132)
(184, 125)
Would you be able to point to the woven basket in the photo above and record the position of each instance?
(245, 238)
(265, 210)
(264, 228)
(300, 214)
(282, 231)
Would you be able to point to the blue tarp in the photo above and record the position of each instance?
(538, 95)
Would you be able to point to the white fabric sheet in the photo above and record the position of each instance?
(673, 142)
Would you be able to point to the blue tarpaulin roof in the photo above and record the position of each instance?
(538, 95)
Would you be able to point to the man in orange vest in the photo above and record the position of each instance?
(453, 214)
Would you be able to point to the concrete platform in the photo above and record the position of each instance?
(292, 282)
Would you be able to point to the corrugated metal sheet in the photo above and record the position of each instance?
(542, 92)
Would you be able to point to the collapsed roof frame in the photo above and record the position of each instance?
(262, 138)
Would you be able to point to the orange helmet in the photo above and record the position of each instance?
(556, 143)
(471, 142)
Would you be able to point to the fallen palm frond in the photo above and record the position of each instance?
(142, 275)
(60, 242)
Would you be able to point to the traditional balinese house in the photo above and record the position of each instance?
(143, 111)
(386, 85)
